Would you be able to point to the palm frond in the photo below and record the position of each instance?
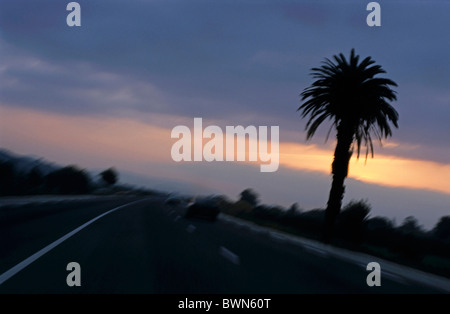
(349, 92)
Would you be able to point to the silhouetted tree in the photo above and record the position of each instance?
(379, 223)
(442, 228)
(7, 178)
(411, 240)
(380, 231)
(249, 196)
(348, 94)
(410, 225)
(269, 213)
(68, 180)
(352, 221)
(34, 177)
(294, 209)
(312, 220)
(33, 181)
(109, 176)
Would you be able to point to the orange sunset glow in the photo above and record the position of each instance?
(224, 147)
(382, 169)
(129, 144)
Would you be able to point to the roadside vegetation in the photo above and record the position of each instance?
(68, 180)
(407, 243)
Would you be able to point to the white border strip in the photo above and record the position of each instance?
(405, 272)
(229, 255)
(14, 270)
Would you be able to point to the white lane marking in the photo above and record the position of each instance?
(393, 276)
(177, 218)
(388, 274)
(405, 274)
(229, 255)
(278, 236)
(315, 250)
(14, 270)
(362, 265)
(190, 228)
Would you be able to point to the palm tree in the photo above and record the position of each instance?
(357, 103)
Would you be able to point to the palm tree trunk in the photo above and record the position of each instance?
(340, 165)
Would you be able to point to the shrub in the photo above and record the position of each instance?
(109, 176)
(68, 180)
(249, 196)
(442, 228)
(351, 222)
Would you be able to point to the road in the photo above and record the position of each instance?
(145, 246)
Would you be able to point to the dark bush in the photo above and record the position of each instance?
(7, 178)
(271, 213)
(442, 229)
(34, 181)
(380, 231)
(249, 196)
(68, 180)
(109, 176)
(310, 221)
(411, 226)
(352, 221)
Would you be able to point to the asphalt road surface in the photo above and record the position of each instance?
(146, 246)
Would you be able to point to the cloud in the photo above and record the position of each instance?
(126, 140)
(90, 140)
(310, 13)
(161, 63)
(140, 147)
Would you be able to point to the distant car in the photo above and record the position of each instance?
(205, 208)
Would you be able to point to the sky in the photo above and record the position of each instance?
(109, 93)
